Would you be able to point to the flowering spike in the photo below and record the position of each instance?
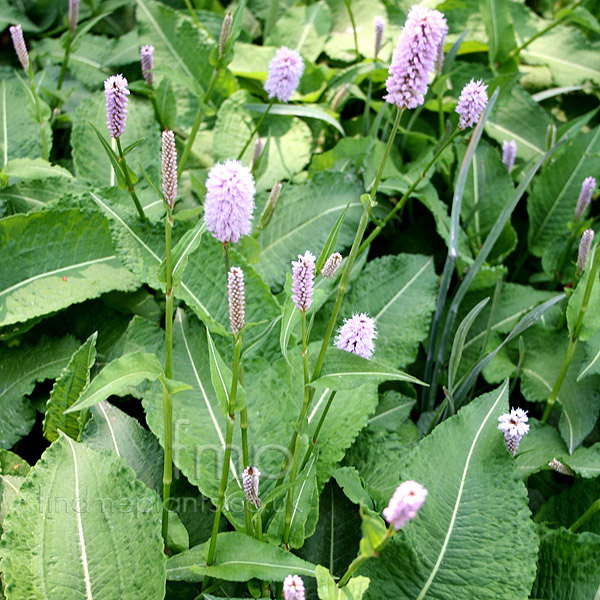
(514, 426)
(471, 103)
(561, 468)
(16, 33)
(73, 15)
(258, 148)
(285, 71)
(405, 503)
(587, 189)
(509, 152)
(331, 265)
(237, 299)
(303, 275)
(339, 98)
(250, 480)
(225, 29)
(147, 60)
(356, 335)
(293, 588)
(115, 89)
(269, 206)
(229, 201)
(169, 167)
(584, 248)
(379, 26)
(415, 56)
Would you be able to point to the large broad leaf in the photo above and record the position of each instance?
(476, 504)
(568, 567)
(100, 529)
(541, 445)
(554, 194)
(20, 368)
(238, 558)
(389, 289)
(499, 27)
(591, 365)
(117, 376)
(58, 257)
(35, 193)
(74, 378)
(111, 429)
(34, 168)
(584, 461)
(20, 135)
(303, 218)
(580, 400)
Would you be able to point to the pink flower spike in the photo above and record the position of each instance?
(115, 89)
(303, 276)
(471, 103)
(293, 588)
(16, 33)
(514, 426)
(405, 503)
(509, 152)
(285, 71)
(229, 201)
(587, 190)
(147, 60)
(356, 335)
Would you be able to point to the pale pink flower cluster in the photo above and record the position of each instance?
(357, 335)
(405, 503)
(514, 426)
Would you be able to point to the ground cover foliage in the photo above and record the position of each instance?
(121, 354)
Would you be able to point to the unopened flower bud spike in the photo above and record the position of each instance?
(587, 190)
(509, 152)
(270, 204)
(379, 28)
(224, 36)
(561, 468)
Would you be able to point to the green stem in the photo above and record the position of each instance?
(305, 405)
(271, 18)
(590, 512)
(574, 337)
(130, 187)
(167, 401)
(65, 62)
(192, 13)
(197, 122)
(367, 112)
(227, 456)
(565, 255)
(351, 15)
(38, 110)
(315, 437)
(256, 128)
(363, 558)
(406, 195)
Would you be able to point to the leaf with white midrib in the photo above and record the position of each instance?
(473, 492)
(113, 552)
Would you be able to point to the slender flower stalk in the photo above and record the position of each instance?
(574, 336)
(590, 512)
(379, 27)
(353, 23)
(73, 21)
(169, 185)
(293, 588)
(471, 103)
(587, 190)
(514, 426)
(147, 63)
(509, 153)
(224, 36)
(584, 249)
(357, 335)
(331, 265)
(16, 33)
(270, 204)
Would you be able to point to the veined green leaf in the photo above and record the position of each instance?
(328, 590)
(118, 375)
(297, 110)
(67, 389)
(33, 168)
(111, 519)
(179, 256)
(584, 461)
(238, 558)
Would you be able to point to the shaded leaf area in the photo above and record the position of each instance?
(584, 461)
(465, 511)
(563, 509)
(20, 369)
(113, 549)
(59, 256)
(34, 194)
(390, 288)
(541, 445)
(568, 567)
(74, 378)
(334, 544)
(238, 558)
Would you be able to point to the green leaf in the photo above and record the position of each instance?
(113, 157)
(33, 194)
(13, 464)
(67, 389)
(328, 589)
(304, 29)
(331, 242)
(350, 481)
(476, 503)
(542, 444)
(111, 429)
(297, 110)
(392, 411)
(544, 354)
(388, 289)
(33, 168)
(551, 203)
(20, 369)
(111, 520)
(568, 566)
(181, 251)
(117, 376)
(59, 256)
(19, 133)
(498, 23)
(343, 371)
(306, 213)
(166, 102)
(10, 486)
(584, 461)
(334, 543)
(221, 377)
(591, 364)
(591, 320)
(238, 558)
